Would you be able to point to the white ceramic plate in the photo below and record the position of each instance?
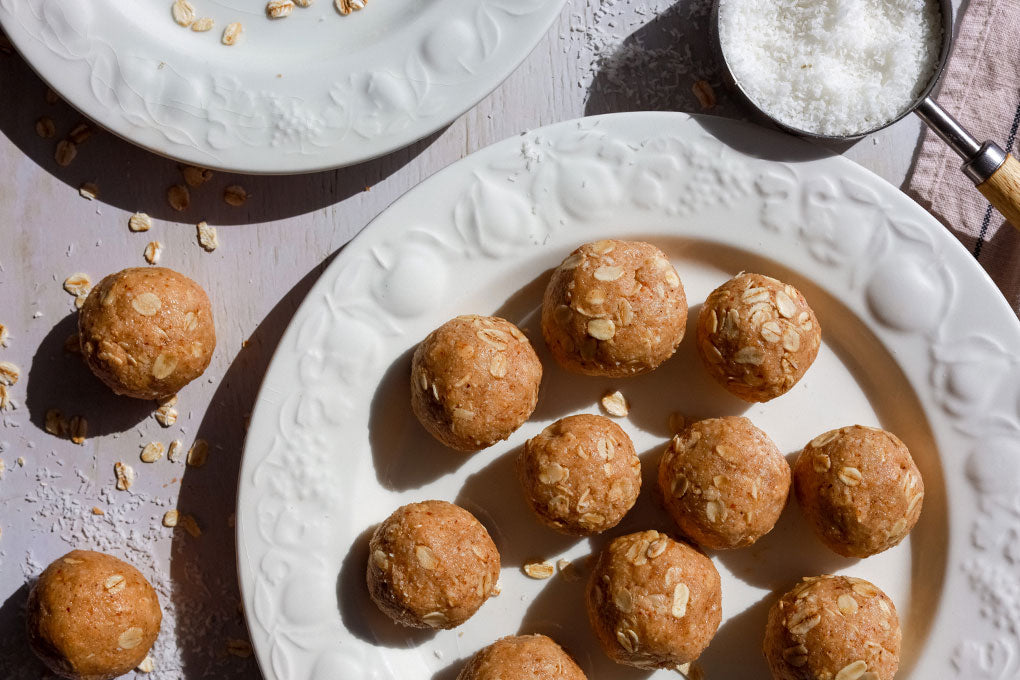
(916, 339)
(314, 90)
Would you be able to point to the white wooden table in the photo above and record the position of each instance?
(272, 250)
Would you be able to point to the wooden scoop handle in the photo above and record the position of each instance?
(1002, 190)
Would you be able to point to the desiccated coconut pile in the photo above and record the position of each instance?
(832, 67)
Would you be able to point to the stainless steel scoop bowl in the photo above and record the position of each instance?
(995, 173)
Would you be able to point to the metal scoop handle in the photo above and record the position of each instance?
(995, 173)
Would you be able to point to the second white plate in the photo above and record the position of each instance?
(311, 91)
(916, 340)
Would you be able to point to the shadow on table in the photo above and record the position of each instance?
(59, 379)
(134, 179)
(656, 68)
(203, 570)
(16, 657)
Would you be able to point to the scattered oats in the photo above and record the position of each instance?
(174, 452)
(78, 284)
(97, 511)
(615, 404)
(190, 525)
(139, 222)
(4, 335)
(235, 195)
(345, 7)
(231, 33)
(152, 452)
(79, 429)
(278, 9)
(207, 237)
(303, 3)
(170, 518)
(195, 176)
(166, 415)
(9, 373)
(89, 191)
(55, 423)
(153, 252)
(66, 151)
(538, 570)
(20, 461)
(80, 132)
(125, 476)
(5, 397)
(183, 12)
(198, 453)
(146, 666)
(79, 300)
(178, 197)
(239, 648)
(202, 25)
(45, 128)
(705, 94)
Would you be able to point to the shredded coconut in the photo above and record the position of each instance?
(831, 67)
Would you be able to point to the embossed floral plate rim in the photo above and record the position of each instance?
(497, 212)
(181, 94)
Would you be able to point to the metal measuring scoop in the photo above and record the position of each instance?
(995, 173)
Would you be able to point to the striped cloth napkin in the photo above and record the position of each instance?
(981, 87)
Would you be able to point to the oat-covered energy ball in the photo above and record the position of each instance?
(859, 489)
(653, 602)
(431, 565)
(614, 308)
(522, 657)
(474, 380)
(92, 616)
(724, 482)
(580, 475)
(757, 336)
(833, 627)
(147, 332)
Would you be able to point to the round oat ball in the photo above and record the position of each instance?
(474, 380)
(653, 602)
(859, 489)
(92, 616)
(522, 657)
(431, 565)
(614, 308)
(724, 482)
(757, 336)
(147, 332)
(580, 475)
(833, 627)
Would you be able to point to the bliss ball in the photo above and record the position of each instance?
(724, 482)
(653, 602)
(522, 657)
(580, 475)
(859, 489)
(431, 565)
(147, 332)
(833, 627)
(757, 336)
(614, 308)
(474, 380)
(92, 616)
